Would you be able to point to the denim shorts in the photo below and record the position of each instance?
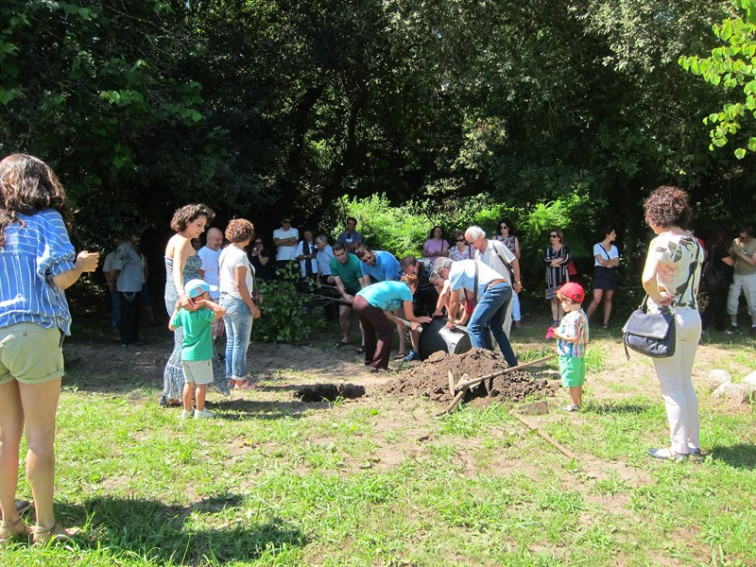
(30, 354)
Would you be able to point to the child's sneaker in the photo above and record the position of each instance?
(185, 414)
(204, 414)
(572, 407)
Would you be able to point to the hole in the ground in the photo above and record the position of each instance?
(329, 392)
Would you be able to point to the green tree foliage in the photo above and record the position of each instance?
(731, 67)
(93, 87)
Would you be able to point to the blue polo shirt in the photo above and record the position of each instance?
(33, 254)
(387, 295)
(386, 267)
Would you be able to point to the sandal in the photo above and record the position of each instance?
(43, 536)
(12, 530)
(340, 344)
(400, 355)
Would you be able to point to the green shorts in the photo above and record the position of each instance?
(572, 369)
(30, 354)
(198, 371)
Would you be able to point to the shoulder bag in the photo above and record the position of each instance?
(652, 334)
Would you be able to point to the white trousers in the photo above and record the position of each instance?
(747, 285)
(674, 373)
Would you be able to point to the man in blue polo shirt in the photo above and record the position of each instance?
(379, 265)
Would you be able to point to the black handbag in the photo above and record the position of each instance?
(652, 334)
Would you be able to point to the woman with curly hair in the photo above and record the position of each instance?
(37, 263)
(436, 245)
(181, 265)
(237, 287)
(670, 278)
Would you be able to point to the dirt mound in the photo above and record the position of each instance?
(430, 378)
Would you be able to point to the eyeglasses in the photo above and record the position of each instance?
(504, 226)
(460, 239)
(553, 236)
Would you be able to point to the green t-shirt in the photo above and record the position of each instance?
(350, 273)
(198, 337)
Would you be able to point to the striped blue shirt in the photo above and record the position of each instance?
(33, 254)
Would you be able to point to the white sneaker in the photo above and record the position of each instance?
(185, 414)
(572, 407)
(204, 414)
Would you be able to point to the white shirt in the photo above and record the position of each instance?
(286, 252)
(303, 263)
(211, 266)
(491, 259)
(231, 258)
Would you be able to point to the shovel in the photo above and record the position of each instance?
(463, 385)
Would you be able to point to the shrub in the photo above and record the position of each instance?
(286, 314)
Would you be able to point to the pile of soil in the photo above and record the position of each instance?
(430, 378)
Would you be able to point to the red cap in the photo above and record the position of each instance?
(574, 291)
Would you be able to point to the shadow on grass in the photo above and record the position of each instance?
(740, 456)
(254, 409)
(163, 534)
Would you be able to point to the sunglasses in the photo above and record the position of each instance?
(504, 226)
(460, 239)
(553, 236)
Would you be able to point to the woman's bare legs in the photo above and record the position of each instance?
(40, 405)
(595, 302)
(11, 428)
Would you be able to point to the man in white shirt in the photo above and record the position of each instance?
(285, 239)
(210, 272)
(210, 254)
(496, 255)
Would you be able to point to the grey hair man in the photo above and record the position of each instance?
(496, 255)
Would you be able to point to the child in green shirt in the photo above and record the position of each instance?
(197, 348)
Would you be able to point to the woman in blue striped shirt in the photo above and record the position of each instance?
(37, 263)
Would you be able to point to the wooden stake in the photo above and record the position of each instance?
(547, 437)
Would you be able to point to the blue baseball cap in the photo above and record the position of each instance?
(195, 288)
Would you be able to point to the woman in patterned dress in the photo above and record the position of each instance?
(670, 278)
(557, 258)
(181, 265)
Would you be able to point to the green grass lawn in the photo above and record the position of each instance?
(378, 482)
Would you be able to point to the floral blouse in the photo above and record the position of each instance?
(679, 272)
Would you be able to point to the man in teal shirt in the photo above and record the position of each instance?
(347, 276)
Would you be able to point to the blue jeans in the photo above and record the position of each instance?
(489, 316)
(238, 320)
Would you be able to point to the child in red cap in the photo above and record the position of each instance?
(572, 340)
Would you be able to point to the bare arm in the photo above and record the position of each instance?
(240, 275)
(214, 307)
(85, 262)
(651, 286)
